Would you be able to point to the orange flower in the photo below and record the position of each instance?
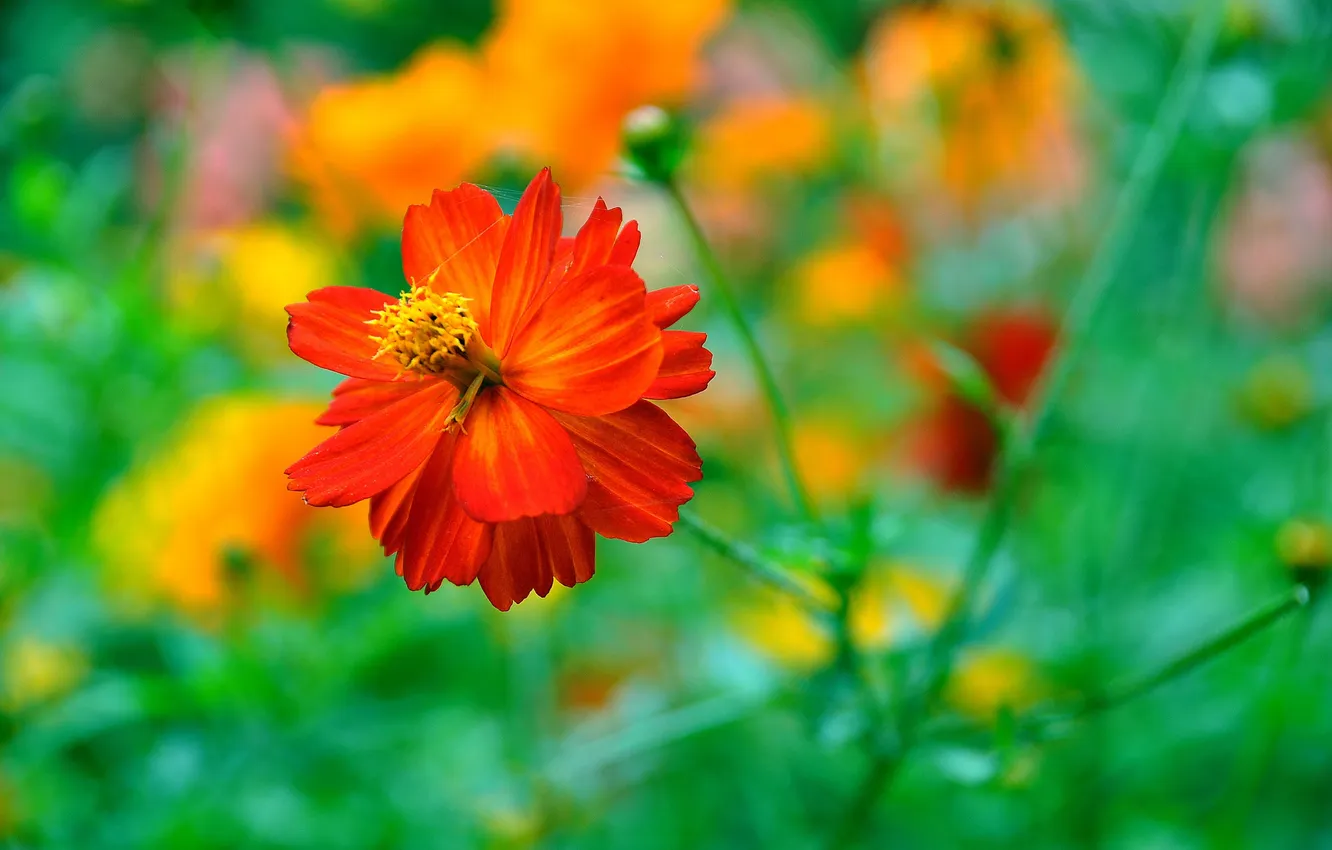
(365, 147)
(984, 87)
(753, 140)
(173, 529)
(568, 73)
(496, 413)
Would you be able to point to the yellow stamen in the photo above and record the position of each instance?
(426, 331)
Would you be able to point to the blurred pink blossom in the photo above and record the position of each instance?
(223, 116)
(1277, 253)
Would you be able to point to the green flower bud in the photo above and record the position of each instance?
(654, 143)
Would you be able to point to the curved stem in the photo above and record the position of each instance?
(759, 568)
(1253, 624)
(781, 416)
(1035, 725)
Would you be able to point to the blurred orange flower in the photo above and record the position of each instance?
(861, 275)
(211, 501)
(830, 456)
(952, 442)
(750, 141)
(566, 74)
(845, 282)
(366, 147)
(979, 93)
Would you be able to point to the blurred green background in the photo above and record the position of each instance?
(190, 657)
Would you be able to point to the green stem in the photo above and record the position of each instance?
(1036, 725)
(760, 569)
(1253, 624)
(1022, 442)
(781, 417)
(882, 770)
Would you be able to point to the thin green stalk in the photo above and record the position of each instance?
(1253, 624)
(1035, 726)
(1021, 442)
(758, 568)
(781, 416)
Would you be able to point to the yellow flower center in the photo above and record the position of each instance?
(426, 331)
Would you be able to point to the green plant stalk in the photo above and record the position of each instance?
(1021, 442)
(760, 569)
(781, 416)
(1253, 624)
(1036, 725)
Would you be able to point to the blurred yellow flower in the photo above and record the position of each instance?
(367, 149)
(891, 601)
(213, 503)
(566, 74)
(750, 141)
(1305, 544)
(989, 678)
(239, 280)
(509, 826)
(1278, 392)
(977, 91)
(36, 671)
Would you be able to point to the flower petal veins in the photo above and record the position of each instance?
(441, 542)
(375, 453)
(515, 460)
(532, 554)
(460, 234)
(525, 259)
(329, 330)
(686, 366)
(640, 464)
(590, 348)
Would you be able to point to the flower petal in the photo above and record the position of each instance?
(460, 233)
(596, 239)
(375, 453)
(515, 461)
(669, 305)
(441, 540)
(356, 398)
(626, 246)
(389, 511)
(686, 367)
(640, 464)
(329, 330)
(531, 554)
(525, 259)
(590, 348)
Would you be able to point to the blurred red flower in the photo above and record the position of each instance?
(496, 414)
(953, 442)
